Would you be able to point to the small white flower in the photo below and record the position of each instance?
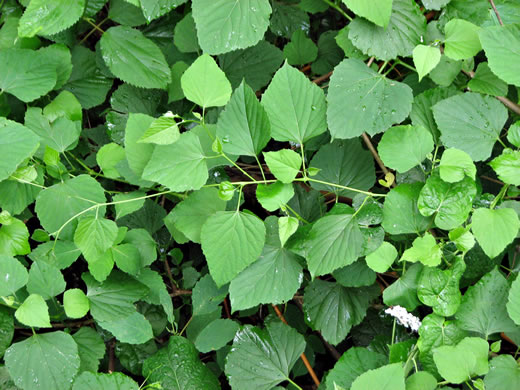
(406, 319)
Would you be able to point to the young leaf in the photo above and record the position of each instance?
(483, 307)
(404, 147)
(114, 381)
(43, 361)
(389, 377)
(129, 203)
(507, 166)
(14, 238)
(421, 380)
(395, 219)
(470, 122)
(494, 229)
(162, 131)
(44, 18)
(301, 50)
(336, 241)
(76, 303)
(462, 39)
(284, 164)
(425, 250)
(137, 153)
(378, 12)
(205, 83)
(231, 241)
(382, 258)
(134, 58)
(287, 226)
(94, 236)
(425, 59)
(362, 100)
(295, 106)
(273, 196)
(243, 126)
(34, 312)
(276, 349)
(455, 164)
(179, 166)
(499, 43)
(404, 31)
(178, 367)
(345, 163)
(334, 310)
(451, 203)
(222, 26)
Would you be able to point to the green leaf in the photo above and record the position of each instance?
(243, 126)
(44, 18)
(113, 381)
(425, 59)
(137, 153)
(91, 348)
(301, 50)
(499, 43)
(451, 203)
(513, 303)
(127, 258)
(134, 58)
(231, 241)
(459, 363)
(276, 275)
(223, 27)
(287, 226)
(421, 380)
(13, 275)
(440, 289)
(205, 83)
(94, 236)
(494, 229)
(507, 166)
(133, 329)
(346, 163)
(334, 310)
(434, 332)
(485, 81)
(455, 164)
(483, 307)
(18, 143)
(59, 253)
(76, 303)
(162, 131)
(335, 241)
(295, 106)
(14, 238)
(362, 100)
(46, 280)
(400, 212)
(108, 156)
(178, 367)
(185, 35)
(190, 215)
(504, 373)
(378, 12)
(352, 364)
(357, 274)
(462, 40)
(43, 361)
(153, 9)
(129, 203)
(276, 349)
(284, 164)
(425, 250)
(389, 377)
(175, 92)
(403, 291)
(7, 333)
(57, 204)
(470, 122)
(404, 31)
(382, 258)
(33, 312)
(404, 147)
(217, 334)
(187, 170)
(274, 196)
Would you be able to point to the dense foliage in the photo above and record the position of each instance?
(259, 194)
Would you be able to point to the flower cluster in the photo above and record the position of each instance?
(406, 319)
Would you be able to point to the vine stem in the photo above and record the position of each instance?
(337, 8)
(339, 186)
(496, 12)
(302, 356)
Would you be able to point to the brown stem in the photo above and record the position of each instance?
(321, 79)
(170, 276)
(496, 12)
(111, 357)
(302, 356)
(179, 292)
